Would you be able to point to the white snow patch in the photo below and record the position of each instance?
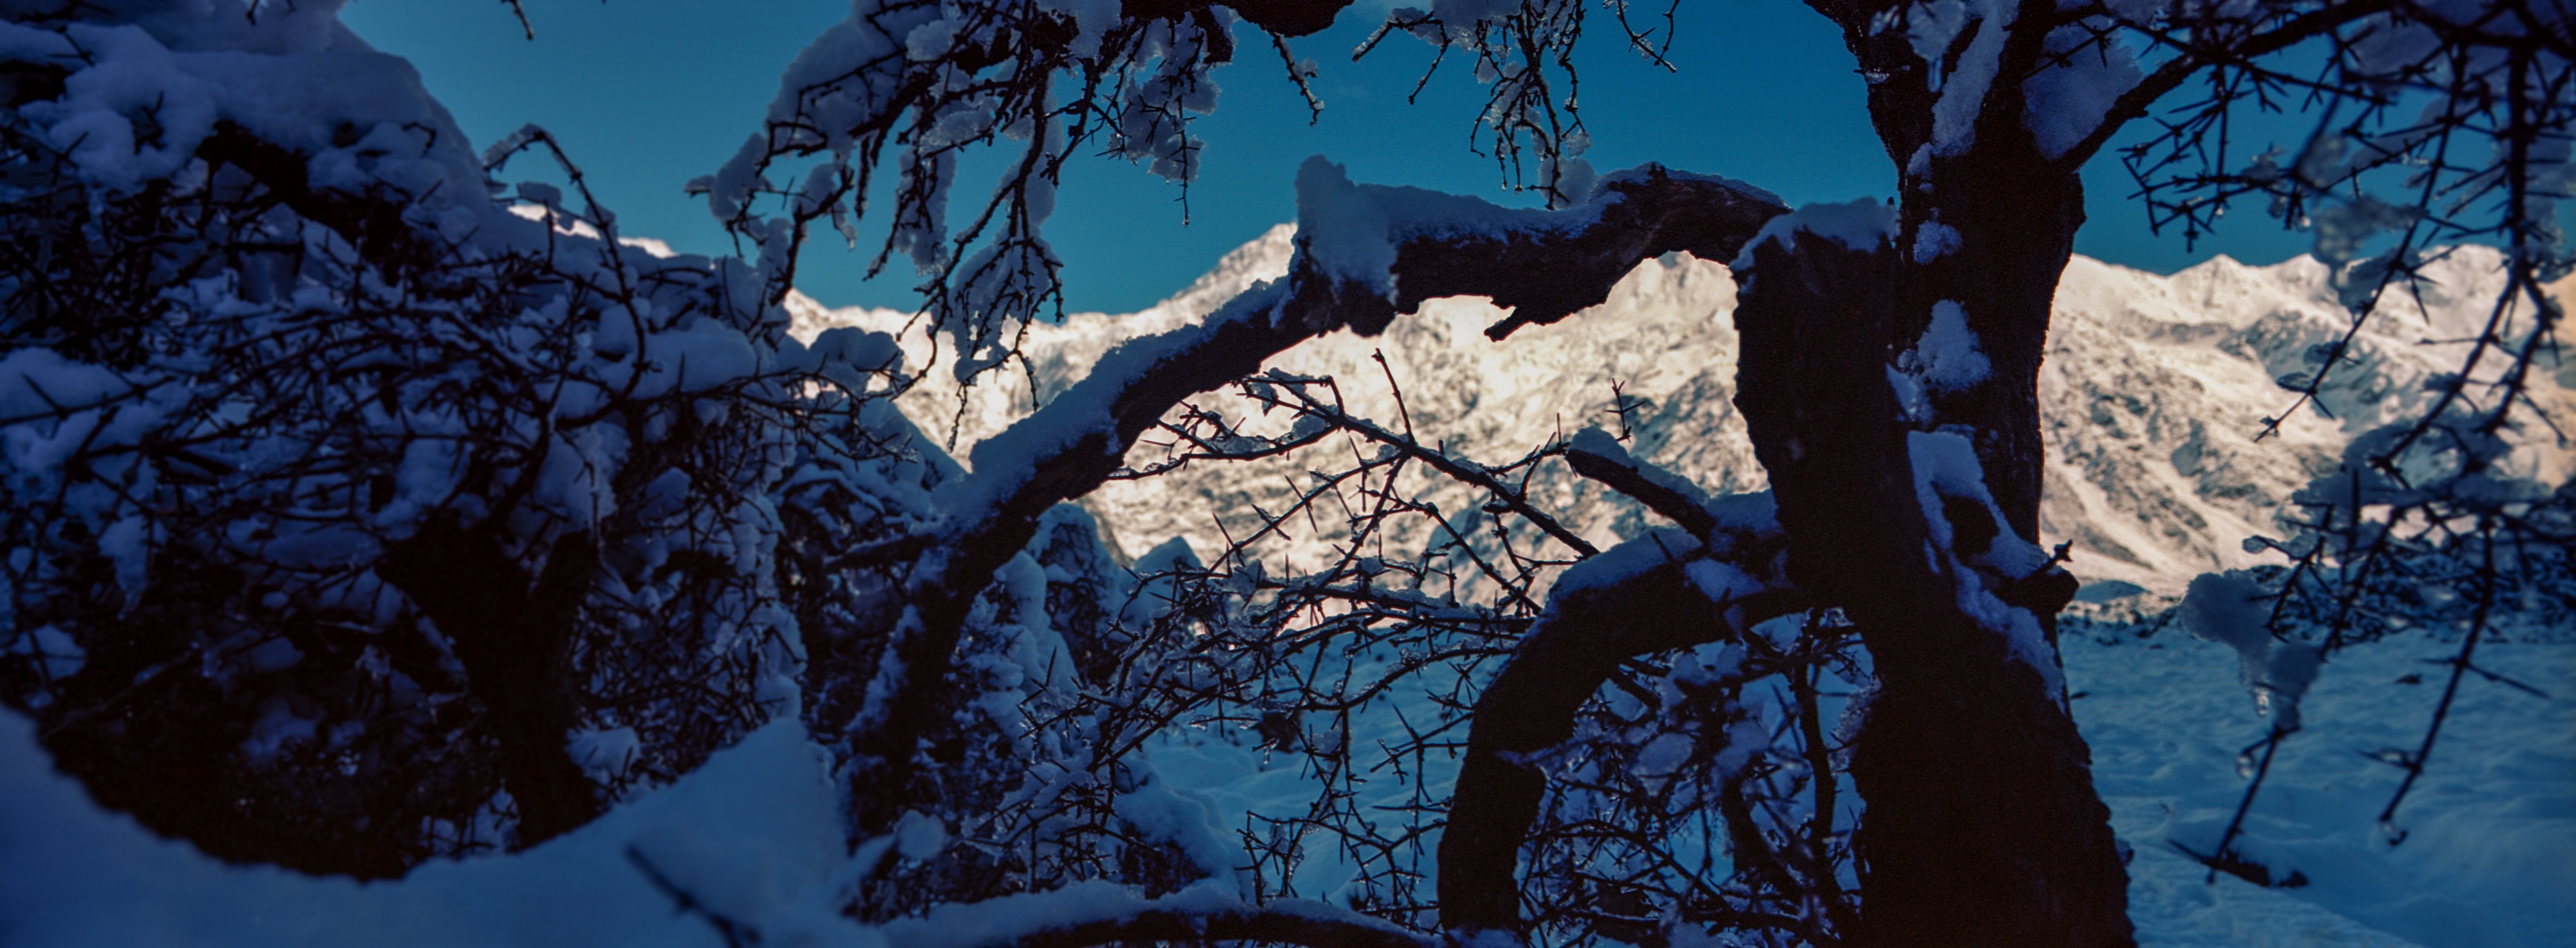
(1933, 240)
(1947, 357)
(2228, 608)
(605, 753)
(2076, 87)
(1862, 224)
(1627, 560)
(756, 832)
(53, 649)
(1962, 88)
(1350, 231)
(1945, 466)
(919, 835)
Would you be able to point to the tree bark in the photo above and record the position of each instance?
(514, 638)
(1982, 826)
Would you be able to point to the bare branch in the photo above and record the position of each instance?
(1530, 707)
(1549, 264)
(2250, 45)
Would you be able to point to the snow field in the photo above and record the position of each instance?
(2489, 855)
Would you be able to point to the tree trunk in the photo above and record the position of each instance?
(1982, 826)
(2014, 216)
(514, 638)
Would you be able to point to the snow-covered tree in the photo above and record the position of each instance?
(397, 513)
(356, 514)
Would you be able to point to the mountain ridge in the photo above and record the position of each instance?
(2153, 394)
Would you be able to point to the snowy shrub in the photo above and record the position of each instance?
(357, 489)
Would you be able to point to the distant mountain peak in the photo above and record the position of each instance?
(2151, 396)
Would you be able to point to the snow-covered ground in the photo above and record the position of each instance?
(2489, 851)
(756, 831)
(2486, 861)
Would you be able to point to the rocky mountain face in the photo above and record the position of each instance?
(2155, 393)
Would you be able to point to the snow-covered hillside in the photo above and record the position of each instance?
(1663, 338)
(2153, 394)
(2155, 387)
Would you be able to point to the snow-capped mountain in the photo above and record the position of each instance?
(2153, 395)
(2156, 389)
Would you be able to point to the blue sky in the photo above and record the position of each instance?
(646, 94)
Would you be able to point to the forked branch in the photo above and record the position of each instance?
(1547, 264)
(1587, 631)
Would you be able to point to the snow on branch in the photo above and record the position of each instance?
(1365, 254)
(1594, 454)
(915, 85)
(1543, 265)
(1647, 595)
(1356, 241)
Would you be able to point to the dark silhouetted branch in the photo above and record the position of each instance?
(1551, 264)
(1530, 707)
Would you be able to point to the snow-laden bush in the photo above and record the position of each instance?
(356, 514)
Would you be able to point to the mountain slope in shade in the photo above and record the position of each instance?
(2154, 392)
